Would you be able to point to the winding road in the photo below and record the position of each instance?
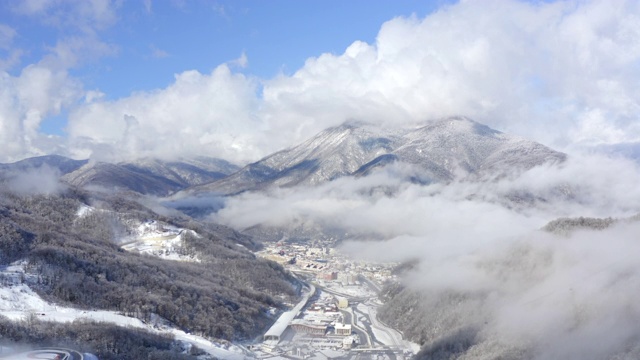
(47, 354)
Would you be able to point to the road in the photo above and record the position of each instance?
(362, 315)
(47, 354)
(363, 336)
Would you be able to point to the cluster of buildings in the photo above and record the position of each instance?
(326, 264)
(323, 317)
(311, 330)
(325, 327)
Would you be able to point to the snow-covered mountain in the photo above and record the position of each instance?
(451, 148)
(151, 176)
(60, 163)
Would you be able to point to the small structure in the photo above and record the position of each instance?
(347, 342)
(343, 303)
(329, 275)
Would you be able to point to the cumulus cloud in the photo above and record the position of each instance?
(560, 73)
(209, 114)
(25, 100)
(45, 88)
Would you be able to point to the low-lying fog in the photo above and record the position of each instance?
(568, 296)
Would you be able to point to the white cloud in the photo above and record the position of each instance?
(198, 114)
(540, 70)
(7, 34)
(157, 52)
(560, 297)
(46, 88)
(12, 56)
(86, 15)
(41, 180)
(240, 62)
(25, 100)
(559, 73)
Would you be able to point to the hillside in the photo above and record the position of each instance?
(73, 257)
(62, 164)
(150, 176)
(452, 148)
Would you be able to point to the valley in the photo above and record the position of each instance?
(320, 180)
(362, 242)
(339, 318)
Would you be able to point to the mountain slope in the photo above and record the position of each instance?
(443, 150)
(60, 163)
(151, 176)
(74, 258)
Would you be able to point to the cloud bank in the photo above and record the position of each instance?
(561, 73)
(555, 296)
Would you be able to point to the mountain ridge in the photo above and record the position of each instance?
(444, 150)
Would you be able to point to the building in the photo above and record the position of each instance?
(309, 328)
(274, 333)
(329, 275)
(343, 303)
(347, 343)
(346, 278)
(343, 329)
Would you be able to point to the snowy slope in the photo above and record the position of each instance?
(447, 149)
(18, 301)
(151, 176)
(63, 164)
(157, 239)
(150, 237)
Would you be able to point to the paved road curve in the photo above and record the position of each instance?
(47, 354)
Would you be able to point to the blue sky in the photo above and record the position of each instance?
(240, 79)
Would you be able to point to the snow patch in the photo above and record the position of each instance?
(84, 210)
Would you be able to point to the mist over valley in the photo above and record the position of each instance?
(345, 180)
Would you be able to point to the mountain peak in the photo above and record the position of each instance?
(442, 150)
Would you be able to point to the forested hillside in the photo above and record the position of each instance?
(75, 261)
(107, 341)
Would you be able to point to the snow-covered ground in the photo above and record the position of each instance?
(18, 301)
(84, 210)
(349, 290)
(162, 240)
(383, 333)
(151, 237)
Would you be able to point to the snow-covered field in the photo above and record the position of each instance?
(18, 301)
(162, 240)
(151, 237)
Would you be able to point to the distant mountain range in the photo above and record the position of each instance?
(145, 176)
(62, 164)
(151, 176)
(440, 151)
(452, 148)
